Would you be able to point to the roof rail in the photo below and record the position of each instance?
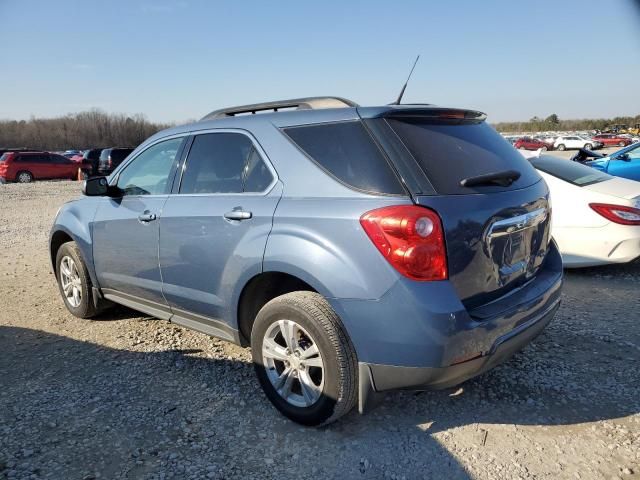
(307, 103)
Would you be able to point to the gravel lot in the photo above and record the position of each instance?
(128, 396)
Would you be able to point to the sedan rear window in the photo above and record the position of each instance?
(347, 152)
(572, 172)
(451, 151)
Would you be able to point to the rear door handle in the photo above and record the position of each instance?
(238, 215)
(147, 217)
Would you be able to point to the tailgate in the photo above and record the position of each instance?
(495, 242)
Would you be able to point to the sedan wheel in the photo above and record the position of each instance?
(561, 147)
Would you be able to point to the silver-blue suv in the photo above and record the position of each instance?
(354, 249)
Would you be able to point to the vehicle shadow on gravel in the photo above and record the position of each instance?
(73, 409)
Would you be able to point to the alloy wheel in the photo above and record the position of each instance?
(24, 177)
(70, 281)
(293, 363)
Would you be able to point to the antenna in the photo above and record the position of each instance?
(397, 102)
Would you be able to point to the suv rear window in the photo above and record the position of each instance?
(450, 151)
(4, 156)
(571, 172)
(347, 152)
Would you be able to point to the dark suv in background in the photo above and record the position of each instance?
(354, 249)
(90, 161)
(110, 158)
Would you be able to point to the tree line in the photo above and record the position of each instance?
(91, 129)
(553, 123)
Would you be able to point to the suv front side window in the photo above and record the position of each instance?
(148, 173)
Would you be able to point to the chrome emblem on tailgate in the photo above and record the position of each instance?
(513, 250)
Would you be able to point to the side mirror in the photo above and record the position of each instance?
(95, 187)
(624, 157)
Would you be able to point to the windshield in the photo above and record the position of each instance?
(572, 172)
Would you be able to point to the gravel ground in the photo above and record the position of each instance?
(128, 396)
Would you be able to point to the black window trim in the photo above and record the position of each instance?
(383, 153)
(256, 146)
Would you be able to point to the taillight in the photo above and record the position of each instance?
(411, 238)
(109, 161)
(618, 213)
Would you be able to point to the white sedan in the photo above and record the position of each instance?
(596, 217)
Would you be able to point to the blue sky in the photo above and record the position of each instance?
(177, 60)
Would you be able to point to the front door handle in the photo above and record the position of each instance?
(147, 217)
(238, 215)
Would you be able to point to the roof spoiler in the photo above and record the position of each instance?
(307, 103)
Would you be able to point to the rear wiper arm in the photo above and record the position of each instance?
(503, 179)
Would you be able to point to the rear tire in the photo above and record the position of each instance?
(24, 177)
(621, 144)
(312, 324)
(561, 147)
(74, 282)
(544, 149)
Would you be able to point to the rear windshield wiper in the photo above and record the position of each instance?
(503, 179)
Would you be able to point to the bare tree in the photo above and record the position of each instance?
(90, 129)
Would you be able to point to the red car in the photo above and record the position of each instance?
(25, 167)
(610, 140)
(528, 143)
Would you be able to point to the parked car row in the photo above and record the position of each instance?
(570, 142)
(24, 165)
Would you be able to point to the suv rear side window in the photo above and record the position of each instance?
(450, 151)
(224, 163)
(347, 152)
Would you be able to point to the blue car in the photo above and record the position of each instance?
(355, 250)
(623, 163)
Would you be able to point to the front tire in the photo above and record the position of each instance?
(561, 147)
(304, 359)
(588, 146)
(24, 177)
(74, 282)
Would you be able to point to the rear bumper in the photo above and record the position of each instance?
(591, 247)
(420, 336)
(389, 377)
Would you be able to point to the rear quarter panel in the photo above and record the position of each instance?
(321, 241)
